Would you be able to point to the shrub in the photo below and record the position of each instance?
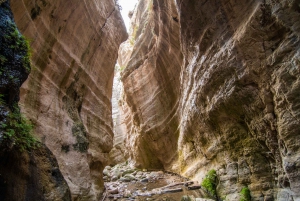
(245, 194)
(18, 43)
(2, 102)
(18, 131)
(209, 182)
(186, 198)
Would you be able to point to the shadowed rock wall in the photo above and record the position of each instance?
(27, 171)
(68, 93)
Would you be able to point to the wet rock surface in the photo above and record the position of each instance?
(125, 183)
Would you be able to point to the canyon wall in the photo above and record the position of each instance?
(68, 93)
(216, 86)
(28, 169)
(118, 153)
(151, 85)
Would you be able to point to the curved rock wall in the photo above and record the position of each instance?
(68, 93)
(231, 104)
(28, 169)
(151, 85)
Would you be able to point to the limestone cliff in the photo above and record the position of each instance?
(216, 86)
(68, 93)
(118, 153)
(28, 169)
(151, 85)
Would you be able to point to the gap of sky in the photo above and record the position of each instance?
(127, 5)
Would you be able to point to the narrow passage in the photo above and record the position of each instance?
(125, 183)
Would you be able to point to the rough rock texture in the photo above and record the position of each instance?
(231, 105)
(151, 85)
(68, 93)
(29, 174)
(118, 153)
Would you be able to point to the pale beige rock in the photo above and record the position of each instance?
(151, 85)
(68, 93)
(231, 104)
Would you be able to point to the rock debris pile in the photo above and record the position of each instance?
(125, 183)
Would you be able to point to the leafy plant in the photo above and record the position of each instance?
(209, 182)
(2, 59)
(245, 194)
(18, 130)
(19, 43)
(2, 102)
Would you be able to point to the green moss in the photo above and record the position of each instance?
(79, 132)
(18, 131)
(2, 59)
(122, 68)
(18, 43)
(2, 102)
(209, 182)
(133, 36)
(245, 194)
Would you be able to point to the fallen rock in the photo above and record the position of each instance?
(172, 190)
(195, 187)
(114, 191)
(145, 180)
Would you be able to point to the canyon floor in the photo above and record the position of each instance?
(125, 183)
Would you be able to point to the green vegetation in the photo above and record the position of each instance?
(210, 183)
(2, 59)
(133, 36)
(78, 130)
(122, 68)
(245, 194)
(186, 198)
(18, 43)
(18, 130)
(2, 102)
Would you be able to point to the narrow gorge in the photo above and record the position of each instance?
(196, 90)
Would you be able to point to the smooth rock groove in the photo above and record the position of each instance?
(68, 93)
(215, 85)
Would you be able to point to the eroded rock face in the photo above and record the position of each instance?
(27, 171)
(118, 153)
(232, 104)
(68, 93)
(151, 85)
(33, 175)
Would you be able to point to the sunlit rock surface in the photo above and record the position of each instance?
(151, 82)
(222, 93)
(68, 93)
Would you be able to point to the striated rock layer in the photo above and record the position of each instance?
(226, 97)
(151, 85)
(28, 170)
(68, 93)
